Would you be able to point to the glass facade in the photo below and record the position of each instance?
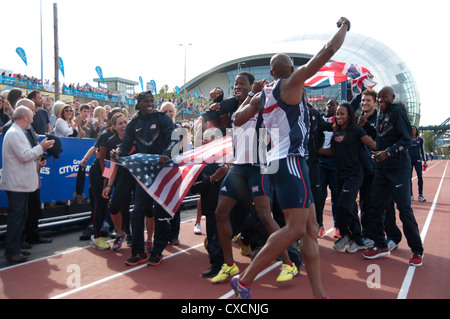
(386, 66)
(320, 96)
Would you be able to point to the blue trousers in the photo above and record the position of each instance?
(17, 216)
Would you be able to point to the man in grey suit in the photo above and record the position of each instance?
(19, 177)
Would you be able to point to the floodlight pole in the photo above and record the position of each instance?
(55, 23)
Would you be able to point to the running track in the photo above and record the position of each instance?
(88, 273)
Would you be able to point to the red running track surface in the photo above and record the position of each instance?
(88, 273)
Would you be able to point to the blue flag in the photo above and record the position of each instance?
(142, 83)
(177, 89)
(100, 73)
(196, 94)
(23, 56)
(61, 65)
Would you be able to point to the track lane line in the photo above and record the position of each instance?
(403, 293)
(100, 281)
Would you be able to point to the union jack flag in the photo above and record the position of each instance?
(336, 72)
(169, 184)
(325, 77)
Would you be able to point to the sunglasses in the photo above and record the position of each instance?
(68, 110)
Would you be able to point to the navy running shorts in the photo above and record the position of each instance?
(291, 183)
(242, 179)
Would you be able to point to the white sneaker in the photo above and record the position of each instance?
(368, 242)
(412, 198)
(197, 229)
(391, 244)
(340, 244)
(353, 247)
(421, 198)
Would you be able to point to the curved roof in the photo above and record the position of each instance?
(250, 61)
(386, 66)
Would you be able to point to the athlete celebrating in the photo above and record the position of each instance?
(285, 113)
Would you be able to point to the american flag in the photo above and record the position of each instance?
(169, 184)
(336, 72)
(108, 169)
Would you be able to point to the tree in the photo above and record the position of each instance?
(429, 141)
(164, 89)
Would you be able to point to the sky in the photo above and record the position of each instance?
(134, 38)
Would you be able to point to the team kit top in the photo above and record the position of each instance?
(287, 125)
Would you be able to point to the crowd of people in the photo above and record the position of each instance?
(270, 202)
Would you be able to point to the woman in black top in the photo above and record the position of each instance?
(346, 142)
(99, 204)
(122, 181)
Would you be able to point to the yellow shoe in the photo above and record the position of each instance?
(224, 273)
(287, 273)
(99, 243)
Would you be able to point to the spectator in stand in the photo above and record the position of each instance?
(13, 96)
(98, 119)
(66, 125)
(48, 103)
(55, 112)
(92, 106)
(76, 107)
(4, 118)
(108, 109)
(95, 103)
(85, 110)
(9, 109)
(41, 121)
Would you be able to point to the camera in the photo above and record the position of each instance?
(44, 157)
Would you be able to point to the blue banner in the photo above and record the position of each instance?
(177, 89)
(100, 73)
(21, 52)
(61, 66)
(59, 176)
(196, 94)
(142, 83)
(96, 96)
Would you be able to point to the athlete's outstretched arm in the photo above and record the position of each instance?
(292, 88)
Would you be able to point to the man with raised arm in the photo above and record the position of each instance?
(284, 109)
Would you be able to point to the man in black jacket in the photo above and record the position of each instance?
(208, 186)
(392, 175)
(151, 133)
